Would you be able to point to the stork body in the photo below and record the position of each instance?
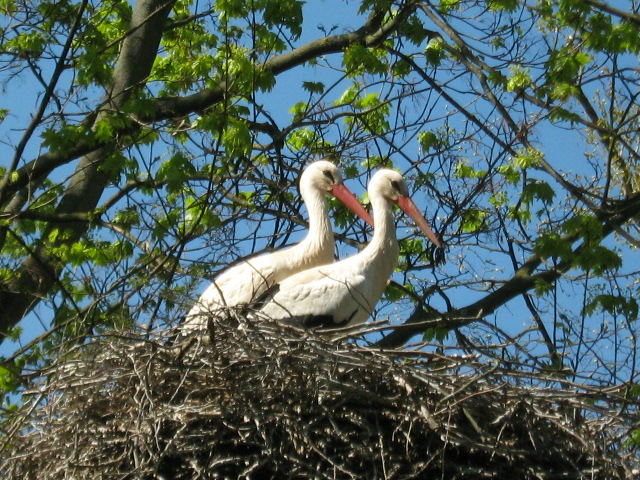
(242, 284)
(346, 292)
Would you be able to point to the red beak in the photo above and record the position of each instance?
(345, 195)
(410, 208)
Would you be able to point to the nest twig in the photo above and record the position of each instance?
(265, 401)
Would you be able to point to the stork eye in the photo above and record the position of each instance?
(396, 186)
(329, 176)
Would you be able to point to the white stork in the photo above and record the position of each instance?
(241, 284)
(347, 291)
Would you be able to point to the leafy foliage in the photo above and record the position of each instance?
(143, 159)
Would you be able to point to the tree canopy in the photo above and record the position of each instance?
(149, 144)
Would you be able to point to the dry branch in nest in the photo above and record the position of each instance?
(266, 401)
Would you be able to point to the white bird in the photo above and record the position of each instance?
(243, 283)
(347, 291)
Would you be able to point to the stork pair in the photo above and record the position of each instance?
(300, 285)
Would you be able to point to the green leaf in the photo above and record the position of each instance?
(413, 29)
(604, 35)
(393, 293)
(401, 68)
(300, 139)
(287, 13)
(537, 190)
(439, 334)
(510, 173)
(358, 59)
(507, 5)
(464, 170)
(412, 245)
(199, 216)
(349, 95)
(472, 220)
(564, 65)
(231, 9)
(499, 79)
(9, 380)
(114, 164)
(615, 305)
(14, 333)
(520, 78)
(369, 101)
(561, 115)
(313, 87)
(103, 130)
(598, 259)
(552, 245)
(77, 254)
(586, 226)
(375, 161)
(563, 91)
(634, 439)
(435, 51)
(237, 138)
(8, 7)
(127, 218)
(64, 138)
(542, 287)
(428, 140)
(447, 6)
(175, 171)
(299, 110)
(499, 199)
(528, 157)
(30, 44)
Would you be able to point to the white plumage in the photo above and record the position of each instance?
(240, 285)
(346, 292)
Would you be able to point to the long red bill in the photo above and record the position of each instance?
(345, 195)
(410, 208)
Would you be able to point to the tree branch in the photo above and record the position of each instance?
(40, 270)
(372, 33)
(522, 281)
(631, 17)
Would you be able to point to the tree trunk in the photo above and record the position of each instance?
(40, 270)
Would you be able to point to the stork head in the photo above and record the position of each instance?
(321, 175)
(391, 185)
(324, 176)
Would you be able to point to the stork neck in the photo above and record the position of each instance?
(320, 232)
(384, 233)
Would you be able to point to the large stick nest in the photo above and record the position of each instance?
(265, 401)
